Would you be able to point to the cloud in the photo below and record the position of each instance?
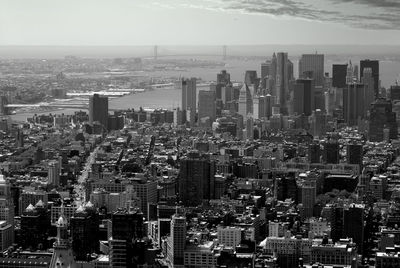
(367, 14)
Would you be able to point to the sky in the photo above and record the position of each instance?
(199, 22)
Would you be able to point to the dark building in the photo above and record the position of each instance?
(35, 226)
(354, 103)
(339, 73)
(353, 225)
(381, 118)
(223, 78)
(85, 232)
(395, 92)
(314, 153)
(196, 179)
(189, 97)
(303, 100)
(127, 228)
(340, 182)
(98, 110)
(115, 122)
(336, 222)
(374, 65)
(355, 154)
(251, 78)
(331, 152)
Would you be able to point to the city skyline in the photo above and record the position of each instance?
(154, 22)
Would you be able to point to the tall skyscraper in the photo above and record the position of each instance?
(368, 81)
(382, 117)
(303, 100)
(354, 103)
(353, 225)
(189, 96)
(332, 152)
(351, 74)
(282, 81)
(339, 72)
(98, 110)
(54, 173)
(308, 195)
(207, 104)
(177, 240)
(85, 232)
(265, 73)
(6, 202)
(245, 101)
(35, 226)
(223, 78)
(196, 179)
(374, 65)
(314, 64)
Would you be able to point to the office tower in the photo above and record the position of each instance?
(395, 92)
(31, 196)
(177, 240)
(85, 232)
(265, 73)
(308, 195)
(336, 220)
(331, 152)
(6, 235)
(245, 101)
(207, 105)
(189, 96)
(354, 106)
(382, 117)
(62, 254)
(355, 154)
(368, 81)
(318, 123)
(290, 70)
(314, 153)
(35, 226)
(223, 78)
(351, 74)
(250, 128)
(353, 224)
(3, 104)
(126, 229)
(6, 203)
(339, 73)
(250, 78)
(303, 100)
(282, 81)
(54, 173)
(146, 191)
(196, 179)
(374, 65)
(314, 64)
(98, 110)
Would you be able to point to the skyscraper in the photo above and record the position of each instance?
(207, 104)
(196, 179)
(282, 81)
(245, 101)
(189, 96)
(353, 224)
(368, 81)
(332, 152)
(54, 173)
(354, 106)
(382, 117)
(303, 100)
(98, 110)
(339, 72)
(265, 73)
(355, 154)
(177, 240)
(374, 65)
(314, 64)
(308, 195)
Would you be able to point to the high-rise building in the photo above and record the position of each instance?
(6, 203)
(368, 81)
(189, 97)
(6, 235)
(282, 81)
(355, 154)
(35, 226)
(98, 110)
(339, 73)
(265, 73)
(177, 241)
(314, 64)
(196, 179)
(85, 232)
(146, 191)
(308, 195)
(353, 225)
(250, 78)
(31, 196)
(207, 105)
(245, 101)
(354, 106)
(395, 92)
(54, 173)
(331, 152)
(374, 65)
(303, 100)
(314, 153)
(126, 229)
(223, 78)
(382, 117)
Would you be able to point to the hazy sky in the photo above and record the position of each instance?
(198, 22)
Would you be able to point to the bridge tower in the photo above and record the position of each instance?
(155, 52)
(224, 52)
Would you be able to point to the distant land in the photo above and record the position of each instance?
(372, 51)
